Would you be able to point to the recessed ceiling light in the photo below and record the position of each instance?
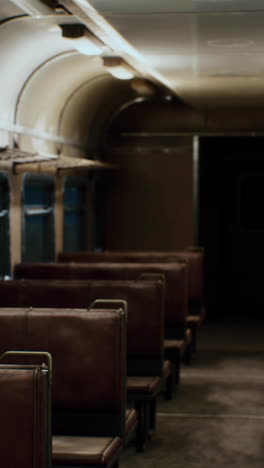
(117, 67)
(143, 86)
(212, 1)
(230, 75)
(79, 38)
(231, 43)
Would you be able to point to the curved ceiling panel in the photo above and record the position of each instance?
(44, 76)
(88, 110)
(9, 10)
(43, 98)
(62, 99)
(26, 44)
(208, 52)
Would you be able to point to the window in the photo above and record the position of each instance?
(75, 215)
(4, 226)
(38, 219)
(99, 206)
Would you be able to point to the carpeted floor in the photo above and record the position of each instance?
(216, 418)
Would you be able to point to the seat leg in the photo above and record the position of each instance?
(187, 356)
(152, 413)
(177, 368)
(116, 464)
(194, 329)
(175, 357)
(141, 434)
(170, 383)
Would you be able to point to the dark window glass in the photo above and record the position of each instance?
(4, 226)
(99, 205)
(75, 214)
(38, 226)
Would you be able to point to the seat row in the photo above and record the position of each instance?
(90, 419)
(182, 272)
(155, 304)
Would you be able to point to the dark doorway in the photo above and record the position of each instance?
(231, 207)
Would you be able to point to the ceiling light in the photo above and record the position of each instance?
(143, 86)
(231, 43)
(81, 39)
(118, 68)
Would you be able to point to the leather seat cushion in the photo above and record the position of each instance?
(193, 319)
(174, 344)
(146, 385)
(84, 450)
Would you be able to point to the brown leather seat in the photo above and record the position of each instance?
(196, 315)
(176, 296)
(193, 256)
(25, 399)
(145, 385)
(147, 371)
(176, 287)
(89, 376)
(84, 451)
(145, 319)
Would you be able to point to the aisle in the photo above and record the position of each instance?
(216, 418)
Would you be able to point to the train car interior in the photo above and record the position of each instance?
(132, 151)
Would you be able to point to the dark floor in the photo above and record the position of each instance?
(216, 418)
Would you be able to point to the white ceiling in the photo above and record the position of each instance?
(210, 52)
(170, 6)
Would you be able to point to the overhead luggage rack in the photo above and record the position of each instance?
(19, 161)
